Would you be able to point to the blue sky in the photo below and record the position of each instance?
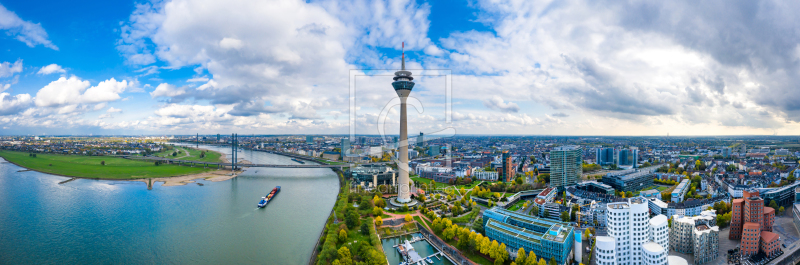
(517, 67)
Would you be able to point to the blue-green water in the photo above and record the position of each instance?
(423, 248)
(121, 222)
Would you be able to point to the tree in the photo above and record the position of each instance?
(781, 210)
(553, 261)
(202, 154)
(521, 256)
(344, 256)
(378, 221)
(377, 211)
(404, 208)
(378, 201)
(628, 194)
(342, 235)
(542, 262)
(103, 163)
(352, 219)
(364, 229)
(408, 218)
(174, 153)
(364, 205)
(565, 216)
(531, 260)
(773, 205)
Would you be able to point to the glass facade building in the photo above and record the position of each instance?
(547, 238)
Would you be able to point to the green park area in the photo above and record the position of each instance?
(190, 154)
(104, 167)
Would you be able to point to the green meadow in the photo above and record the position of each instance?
(91, 166)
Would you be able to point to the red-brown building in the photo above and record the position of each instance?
(751, 233)
(737, 207)
(769, 243)
(752, 223)
(769, 219)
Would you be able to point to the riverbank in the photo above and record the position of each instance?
(98, 167)
(215, 176)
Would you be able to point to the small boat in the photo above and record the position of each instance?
(429, 260)
(298, 161)
(266, 199)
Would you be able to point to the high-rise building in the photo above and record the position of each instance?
(508, 168)
(420, 139)
(627, 157)
(565, 166)
(605, 156)
(630, 231)
(433, 150)
(749, 220)
(345, 147)
(309, 139)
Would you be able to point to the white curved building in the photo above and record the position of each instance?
(659, 230)
(605, 249)
(628, 225)
(654, 254)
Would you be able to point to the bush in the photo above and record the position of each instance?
(103, 163)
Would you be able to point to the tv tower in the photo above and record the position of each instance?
(402, 85)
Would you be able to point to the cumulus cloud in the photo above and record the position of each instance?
(30, 33)
(8, 69)
(72, 91)
(52, 68)
(497, 103)
(113, 110)
(10, 105)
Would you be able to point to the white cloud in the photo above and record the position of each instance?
(25, 31)
(497, 103)
(113, 110)
(8, 69)
(100, 106)
(52, 68)
(72, 91)
(167, 90)
(12, 105)
(230, 43)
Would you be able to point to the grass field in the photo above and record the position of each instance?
(191, 154)
(90, 167)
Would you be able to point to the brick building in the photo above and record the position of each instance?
(750, 222)
(769, 243)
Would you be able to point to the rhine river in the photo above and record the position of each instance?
(112, 222)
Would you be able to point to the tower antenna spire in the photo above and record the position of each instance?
(404, 57)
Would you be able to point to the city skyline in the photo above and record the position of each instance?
(531, 68)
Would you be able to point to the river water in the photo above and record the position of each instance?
(113, 222)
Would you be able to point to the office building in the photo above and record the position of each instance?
(433, 150)
(565, 166)
(697, 235)
(750, 209)
(605, 156)
(420, 139)
(749, 221)
(373, 175)
(630, 231)
(309, 139)
(630, 180)
(627, 157)
(345, 147)
(547, 238)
